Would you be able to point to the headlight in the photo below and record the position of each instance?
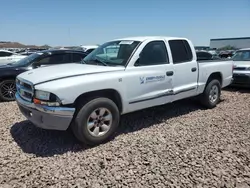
(43, 95)
(46, 98)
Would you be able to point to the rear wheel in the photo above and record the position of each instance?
(96, 121)
(7, 90)
(211, 95)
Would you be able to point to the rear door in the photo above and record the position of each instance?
(185, 69)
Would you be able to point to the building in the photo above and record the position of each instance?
(243, 42)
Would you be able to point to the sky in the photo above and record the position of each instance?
(86, 22)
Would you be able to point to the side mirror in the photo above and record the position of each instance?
(137, 63)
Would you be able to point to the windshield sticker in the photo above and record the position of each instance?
(144, 80)
(126, 42)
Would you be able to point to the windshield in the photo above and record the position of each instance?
(243, 55)
(27, 60)
(114, 53)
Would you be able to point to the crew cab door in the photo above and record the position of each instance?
(185, 69)
(149, 79)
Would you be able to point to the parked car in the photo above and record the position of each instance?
(9, 72)
(144, 72)
(203, 55)
(8, 57)
(226, 54)
(88, 48)
(241, 72)
(27, 53)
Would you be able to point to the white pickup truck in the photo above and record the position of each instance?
(91, 95)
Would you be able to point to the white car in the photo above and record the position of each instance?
(9, 57)
(241, 72)
(88, 48)
(90, 96)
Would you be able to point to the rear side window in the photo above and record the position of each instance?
(181, 51)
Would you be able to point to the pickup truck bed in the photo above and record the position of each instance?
(215, 60)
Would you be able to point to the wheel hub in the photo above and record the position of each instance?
(99, 122)
(8, 90)
(213, 94)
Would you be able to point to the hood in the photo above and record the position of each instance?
(10, 66)
(242, 63)
(65, 70)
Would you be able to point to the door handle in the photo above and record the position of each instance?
(170, 73)
(194, 69)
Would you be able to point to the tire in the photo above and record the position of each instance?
(205, 97)
(7, 90)
(85, 115)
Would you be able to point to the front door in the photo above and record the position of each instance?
(149, 81)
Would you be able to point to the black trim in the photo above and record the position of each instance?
(163, 95)
(151, 98)
(239, 38)
(184, 90)
(73, 76)
(170, 73)
(194, 69)
(132, 54)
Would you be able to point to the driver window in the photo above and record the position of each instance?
(154, 53)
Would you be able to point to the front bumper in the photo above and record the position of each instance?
(241, 79)
(54, 118)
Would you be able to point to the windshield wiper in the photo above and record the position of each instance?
(82, 61)
(100, 61)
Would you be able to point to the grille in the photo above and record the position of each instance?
(25, 89)
(240, 68)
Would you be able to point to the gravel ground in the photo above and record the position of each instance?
(176, 145)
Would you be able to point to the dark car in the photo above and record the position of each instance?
(202, 55)
(9, 71)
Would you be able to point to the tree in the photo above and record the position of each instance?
(228, 47)
(45, 46)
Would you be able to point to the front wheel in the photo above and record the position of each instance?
(211, 95)
(7, 90)
(96, 121)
